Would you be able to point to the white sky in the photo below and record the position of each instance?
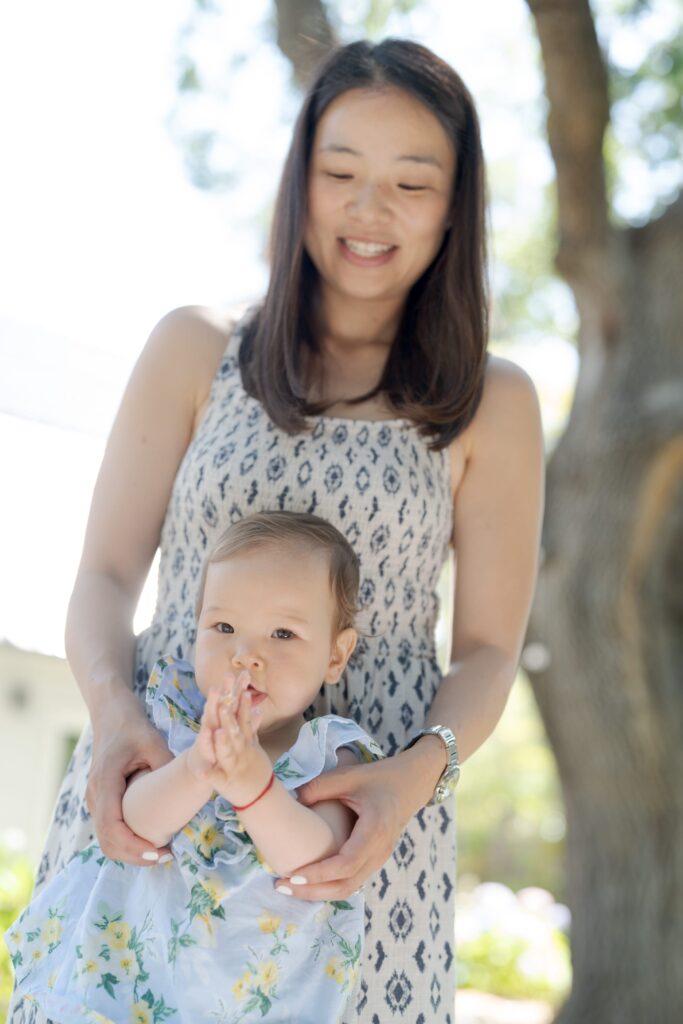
(101, 234)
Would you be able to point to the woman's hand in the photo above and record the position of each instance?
(384, 795)
(124, 742)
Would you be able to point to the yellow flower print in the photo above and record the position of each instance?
(51, 981)
(215, 889)
(118, 933)
(15, 937)
(240, 988)
(267, 975)
(37, 955)
(335, 969)
(269, 924)
(291, 929)
(52, 931)
(89, 967)
(140, 1014)
(126, 964)
(207, 838)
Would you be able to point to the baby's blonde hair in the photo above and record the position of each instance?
(291, 529)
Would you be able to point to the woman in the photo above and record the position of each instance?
(360, 390)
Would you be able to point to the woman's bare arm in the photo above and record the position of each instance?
(498, 513)
(151, 432)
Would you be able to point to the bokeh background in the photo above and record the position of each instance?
(141, 150)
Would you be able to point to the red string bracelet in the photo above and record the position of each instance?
(263, 792)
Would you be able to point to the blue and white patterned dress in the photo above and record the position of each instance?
(205, 938)
(390, 495)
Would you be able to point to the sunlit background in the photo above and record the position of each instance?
(104, 227)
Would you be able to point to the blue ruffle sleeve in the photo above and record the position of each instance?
(216, 835)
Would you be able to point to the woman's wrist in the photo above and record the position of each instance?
(425, 763)
(111, 697)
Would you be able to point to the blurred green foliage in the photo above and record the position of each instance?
(16, 885)
(510, 814)
(493, 962)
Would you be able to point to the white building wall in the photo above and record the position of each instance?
(41, 714)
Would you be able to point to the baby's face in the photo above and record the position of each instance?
(271, 611)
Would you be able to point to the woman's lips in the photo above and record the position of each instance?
(365, 261)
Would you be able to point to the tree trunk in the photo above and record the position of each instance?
(609, 602)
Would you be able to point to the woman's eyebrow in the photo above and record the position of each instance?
(417, 158)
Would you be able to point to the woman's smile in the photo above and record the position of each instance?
(366, 254)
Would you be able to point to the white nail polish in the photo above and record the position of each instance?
(284, 889)
(298, 880)
(166, 858)
(150, 855)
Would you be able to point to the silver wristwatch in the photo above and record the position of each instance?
(451, 773)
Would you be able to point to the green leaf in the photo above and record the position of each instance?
(341, 905)
(107, 982)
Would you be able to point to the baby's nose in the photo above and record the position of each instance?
(247, 657)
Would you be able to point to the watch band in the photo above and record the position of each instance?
(451, 773)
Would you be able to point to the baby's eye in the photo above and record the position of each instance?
(283, 634)
(224, 627)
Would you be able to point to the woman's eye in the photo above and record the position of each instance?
(224, 627)
(283, 634)
(412, 188)
(339, 177)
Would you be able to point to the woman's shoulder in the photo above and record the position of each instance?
(509, 397)
(197, 333)
(185, 349)
(508, 418)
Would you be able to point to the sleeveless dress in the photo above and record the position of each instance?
(204, 938)
(382, 487)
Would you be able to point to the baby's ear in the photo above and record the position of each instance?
(342, 649)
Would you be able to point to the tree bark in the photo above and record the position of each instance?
(609, 602)
(304, 35)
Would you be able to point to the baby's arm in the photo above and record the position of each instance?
(287, 834)
(158, 804)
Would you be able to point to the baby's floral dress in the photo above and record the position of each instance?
(205, 938)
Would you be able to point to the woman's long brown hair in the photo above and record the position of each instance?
(435, 370)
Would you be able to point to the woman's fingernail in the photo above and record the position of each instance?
(284, 889)
(150, 855)
(298, 880)
(166, 858)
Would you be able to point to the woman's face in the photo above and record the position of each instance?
(379, 193)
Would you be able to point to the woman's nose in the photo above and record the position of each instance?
(246, 656)
(369, 204)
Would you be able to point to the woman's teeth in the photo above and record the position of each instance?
(366, 248)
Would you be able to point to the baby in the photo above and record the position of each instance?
(207, 936)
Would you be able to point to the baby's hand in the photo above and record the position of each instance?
(242, 761)
(201, 757)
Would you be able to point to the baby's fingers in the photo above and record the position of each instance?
(205, 744)
(210, 716)
(246, 717)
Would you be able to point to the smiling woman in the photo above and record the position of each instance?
(371, 203)
(381, 197)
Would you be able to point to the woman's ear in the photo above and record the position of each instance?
(342, 649)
